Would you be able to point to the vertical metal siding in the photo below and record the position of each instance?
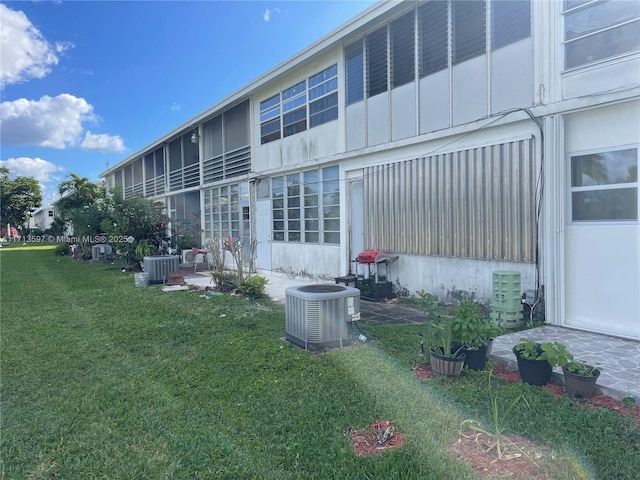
(476, 203)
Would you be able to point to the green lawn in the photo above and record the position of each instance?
(101, 379)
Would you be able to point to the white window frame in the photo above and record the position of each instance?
(583, 7)
(591, 188)
(302, 198)
(296, 98)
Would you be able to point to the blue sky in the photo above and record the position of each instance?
(84, 84)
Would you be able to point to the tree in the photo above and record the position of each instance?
(18, 198)
(76, 193)
(139, 218)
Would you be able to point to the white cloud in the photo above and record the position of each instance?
(102, 142)
(24, 52)
(54, 122)
(267, 13)
(42, 170)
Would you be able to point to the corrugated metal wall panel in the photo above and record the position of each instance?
(476, 203)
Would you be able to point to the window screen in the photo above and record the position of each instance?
(469, 29)
(354, 68)
(376, 62)
(510, 22)
(432, 22)
(403, 49)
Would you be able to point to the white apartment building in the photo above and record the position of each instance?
(464, 136)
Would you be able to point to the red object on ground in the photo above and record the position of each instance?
(368, 256)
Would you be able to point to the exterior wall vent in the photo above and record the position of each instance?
(319, 316)
(160, 266)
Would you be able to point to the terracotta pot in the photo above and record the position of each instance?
(533, 372)
(580, 386)
(447, 366)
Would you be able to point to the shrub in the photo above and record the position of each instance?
(255, 286)
(62, 249)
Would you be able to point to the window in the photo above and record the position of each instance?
(510, 22)
(376, 43)
(290, 107)
(604, 186)
(323, 97)
(311, 214)
(50, 213)
(598, 30)
(293, 208)
(331, 205)
(222, 211)
(277, 205)
(403, 50)
(306, 207)
(270, 119)
(469, 29)
(432, 22)
(294, 107)
(354, 71)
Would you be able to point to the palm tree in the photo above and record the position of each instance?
(76, 193)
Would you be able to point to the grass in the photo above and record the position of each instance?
(101, 379)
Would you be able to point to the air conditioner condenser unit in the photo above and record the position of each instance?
(160, 266)
(319, 316)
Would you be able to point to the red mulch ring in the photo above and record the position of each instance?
(366, 442)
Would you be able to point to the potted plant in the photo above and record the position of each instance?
(473, 332)
(580, 378)
(536, 360)
(446, 357)
(143, 249)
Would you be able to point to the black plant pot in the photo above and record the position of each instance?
(476, 359)
(533, 372)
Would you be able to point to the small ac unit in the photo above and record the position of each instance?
(160, 266)
(319, 316)
(101, 252)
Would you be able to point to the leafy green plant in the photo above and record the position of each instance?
(553, 352)
(143, 249)
(62, 249)
(428, 303)
(470, 328)
(255, 286)
(580, 367)
(440, 338)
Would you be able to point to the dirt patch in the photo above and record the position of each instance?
(381, 436)
(519, 458)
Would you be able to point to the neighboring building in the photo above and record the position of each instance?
(42, 218)
(466, 136)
